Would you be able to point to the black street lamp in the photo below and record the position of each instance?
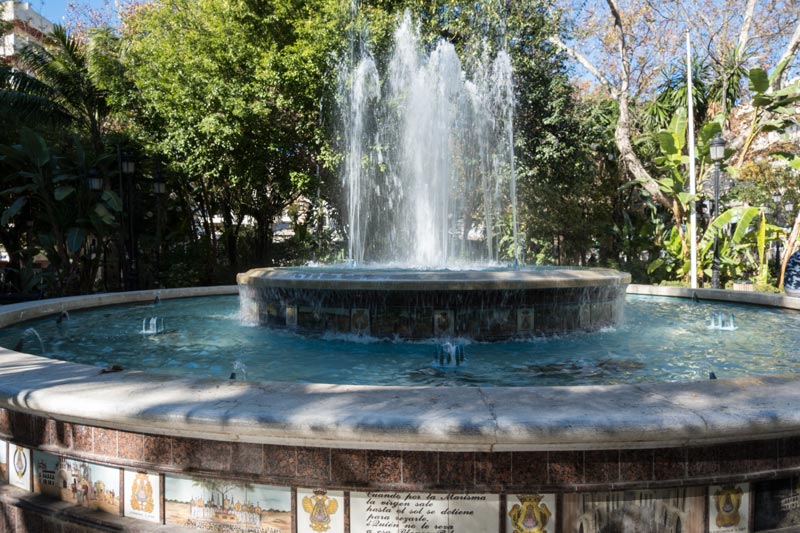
(159, 188)
(94, 180)
(127, 170)
(717, 149)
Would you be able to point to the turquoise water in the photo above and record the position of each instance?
(660, 339)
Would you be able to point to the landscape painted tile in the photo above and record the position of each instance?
(142, 496)
(776, 505)
(211, 505)
(71, 480)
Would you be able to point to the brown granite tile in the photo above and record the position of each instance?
(636, 465)
(736, 458)
(7, 518)
(280, 460)
(182, 452)
(760, 456)
(348, 466)
(203, 454)
(130, 446)
(105, 442)
(157, 450)
(247, 458)
(62, 435)
(565, 467)
(53, 525)
(493, 469)
(669, 463)
(81, 438)
(529, 468)
(39, 431)
(457, 469)
(789, 453)
(212, 455)
(314, 463)
(74, 528)
(384, 466)
(420, 468)
(30, 522)
(5, 422)
(21, 427)
(601, 466)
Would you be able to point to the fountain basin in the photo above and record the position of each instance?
(420, 304)
(571, 445)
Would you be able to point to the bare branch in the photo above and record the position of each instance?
(744, 31)
(580, 58)
(786, 58)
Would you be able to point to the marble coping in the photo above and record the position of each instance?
(401, 418)
(433, 280)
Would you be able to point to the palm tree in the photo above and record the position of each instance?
(54, 84)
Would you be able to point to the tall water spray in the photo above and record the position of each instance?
(429, 162)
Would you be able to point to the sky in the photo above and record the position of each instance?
(56, 10)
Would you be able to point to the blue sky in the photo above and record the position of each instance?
(56, 10)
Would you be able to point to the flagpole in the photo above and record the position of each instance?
(692, 179)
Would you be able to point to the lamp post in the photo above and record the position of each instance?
(717, 149)
(159, 188)
(94, 180)
(127, 169)
(777, 196)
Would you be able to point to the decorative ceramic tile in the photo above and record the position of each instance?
(443, 323)
(19, 471)
(219, 505)
(635, 510)
(320, 510)
(142, 496)
(729, 508)
(531, 513)
(776, 504)
(525, 320)
(291, 315)
(71, 480)
(3, 462)
(359, 321)
(413, 512)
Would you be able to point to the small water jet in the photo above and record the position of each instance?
(20, 346)
(449, 355)
(152, 326)
(720, 320)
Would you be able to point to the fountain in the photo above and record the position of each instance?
(698, 455)
(429, 171)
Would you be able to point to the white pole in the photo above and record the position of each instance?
(692, 180)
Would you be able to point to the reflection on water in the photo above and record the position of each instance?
(660, 340)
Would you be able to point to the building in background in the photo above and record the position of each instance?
(26, 26)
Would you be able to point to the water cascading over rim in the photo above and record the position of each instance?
(429, 160)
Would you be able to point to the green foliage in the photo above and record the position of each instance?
(64, 213)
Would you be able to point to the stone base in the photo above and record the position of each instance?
(418, 305)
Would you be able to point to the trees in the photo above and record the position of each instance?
(219, 85)
(627, 52)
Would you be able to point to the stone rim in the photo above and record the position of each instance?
(409, 280)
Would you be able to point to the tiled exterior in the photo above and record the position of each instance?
(555, 472)
(465, 471)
